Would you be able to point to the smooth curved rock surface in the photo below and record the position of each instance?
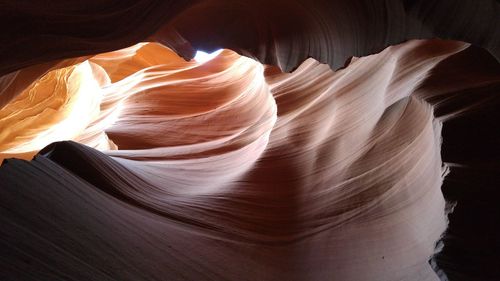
(148, 166)
(231, 169)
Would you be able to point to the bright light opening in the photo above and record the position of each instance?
(204, 57)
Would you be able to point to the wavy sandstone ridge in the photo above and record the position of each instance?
(231, 170)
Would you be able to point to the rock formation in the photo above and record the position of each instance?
(329, 140)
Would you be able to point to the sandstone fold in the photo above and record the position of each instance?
(147, 166)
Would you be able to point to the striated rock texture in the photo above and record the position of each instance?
(281, 32)
(233, 170)
(147, 166)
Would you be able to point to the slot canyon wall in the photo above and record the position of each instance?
(329, 140)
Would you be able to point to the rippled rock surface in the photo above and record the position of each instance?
(321, 144)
